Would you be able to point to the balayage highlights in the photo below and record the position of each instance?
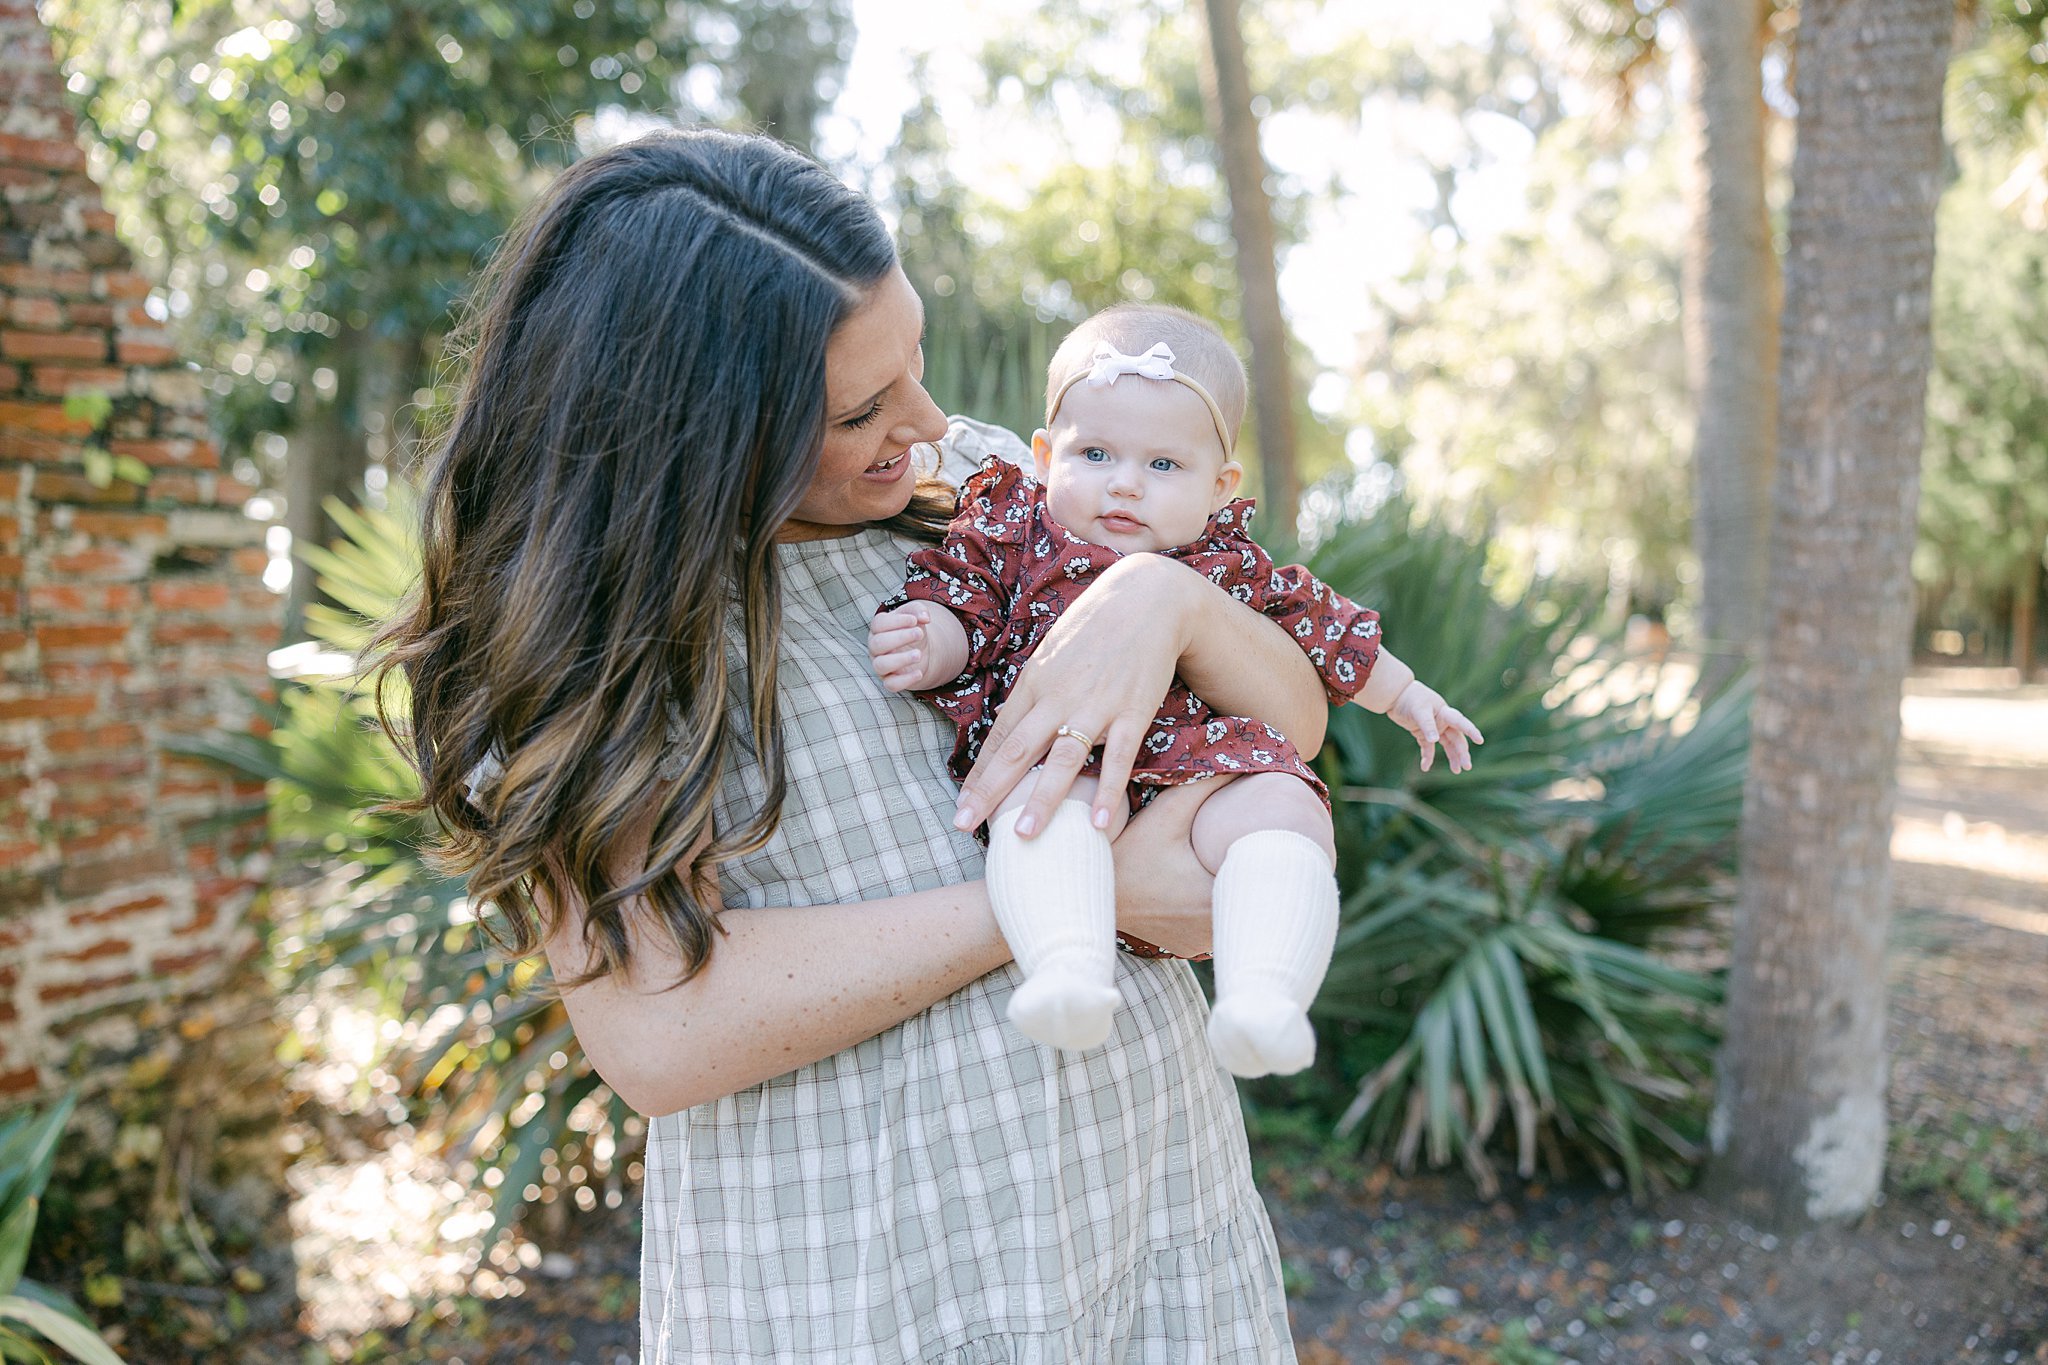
(643, 408)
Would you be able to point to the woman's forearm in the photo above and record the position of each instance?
(1243, 663)
(783, 988)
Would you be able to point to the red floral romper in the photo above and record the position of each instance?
(1008, 570)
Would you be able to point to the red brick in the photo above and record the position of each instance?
(80, 879)
(92, 563)
(56, 346)
(16, 444)
(11, 640)
(47, 708)
(40, 314)
(72, 990)
(49, 418)
(55, 485)
(103, 597)
(120, 525)
(61, 155)
(182, 452)
(112, 947)
(122, 910)
(171, 595)
(75, 807)
(80, 637)
(14, 855)
(232, 492)
(92, 314)
(195, 632)
(71, 378)
(10, 484)
(174, 485)
(85, 845)
(125, 284)
(73, 283)
(10, 566)
(20, 1081)
(97, 737)
(250, 560)
(172, 964)
(85, 672)
(98, 220)
(144, 353)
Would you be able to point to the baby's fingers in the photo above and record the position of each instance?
(882, 642)
(1426, 735)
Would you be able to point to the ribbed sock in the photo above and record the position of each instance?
(1275, 926)
(1055, 901)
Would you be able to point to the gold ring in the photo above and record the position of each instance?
(1069, 732)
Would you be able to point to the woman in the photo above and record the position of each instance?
(677, 484)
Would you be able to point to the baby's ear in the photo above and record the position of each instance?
(1227, 480)
(1041, 451)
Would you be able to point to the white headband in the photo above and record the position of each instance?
(1108, 364)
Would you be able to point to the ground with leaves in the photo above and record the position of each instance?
(1952, 1266)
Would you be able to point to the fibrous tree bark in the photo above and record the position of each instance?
(1800, 1118)
(1226, 89)
(1732, 294)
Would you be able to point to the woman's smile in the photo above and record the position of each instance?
(889, 470)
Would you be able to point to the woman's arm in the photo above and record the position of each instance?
(787, 986)
(1107, 663)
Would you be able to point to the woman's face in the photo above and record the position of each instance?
(876, 409)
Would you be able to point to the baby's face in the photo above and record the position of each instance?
(1136, 465)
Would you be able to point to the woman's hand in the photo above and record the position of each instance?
(1102, 671)
(1162, 889)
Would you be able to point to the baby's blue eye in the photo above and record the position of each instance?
(1164, 465)
(1094, 454)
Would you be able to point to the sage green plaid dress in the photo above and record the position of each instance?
(946, 1191)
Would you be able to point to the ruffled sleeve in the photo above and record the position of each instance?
(978, 568)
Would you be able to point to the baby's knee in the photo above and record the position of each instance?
(1260, 801)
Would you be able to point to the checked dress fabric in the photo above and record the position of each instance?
(947, 1191)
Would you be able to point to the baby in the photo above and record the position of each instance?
(1143, 407)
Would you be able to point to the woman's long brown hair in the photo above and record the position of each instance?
(643, 407)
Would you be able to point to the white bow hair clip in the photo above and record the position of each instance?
(1108, 363)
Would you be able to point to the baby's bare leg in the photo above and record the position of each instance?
(1259, 801)
(1268, 839)
(1055, 901)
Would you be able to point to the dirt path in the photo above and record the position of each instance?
(1953, 1266)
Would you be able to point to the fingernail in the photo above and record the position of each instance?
(964, 819)
(1102, 819)
(1026, 826)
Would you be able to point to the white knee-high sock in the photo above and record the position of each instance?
(1055, 901)
(1275, 926)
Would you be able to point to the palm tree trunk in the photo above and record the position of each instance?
(1732, 294)
(2025, 592)
(1226, 89)
(1800, 1117)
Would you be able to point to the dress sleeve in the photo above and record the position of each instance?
(975, 571)
(968, 576)
(1341, 638)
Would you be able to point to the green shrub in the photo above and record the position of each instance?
(484, 1060)
(30, 1313)
(1496, 957)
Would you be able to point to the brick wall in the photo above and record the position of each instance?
(131, 610)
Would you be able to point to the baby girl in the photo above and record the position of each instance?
(1143, 407)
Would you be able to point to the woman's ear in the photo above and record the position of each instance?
(1041, 452)
(1227, 480)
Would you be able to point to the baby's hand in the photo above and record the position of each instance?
(1432, 720)
(899, 646)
